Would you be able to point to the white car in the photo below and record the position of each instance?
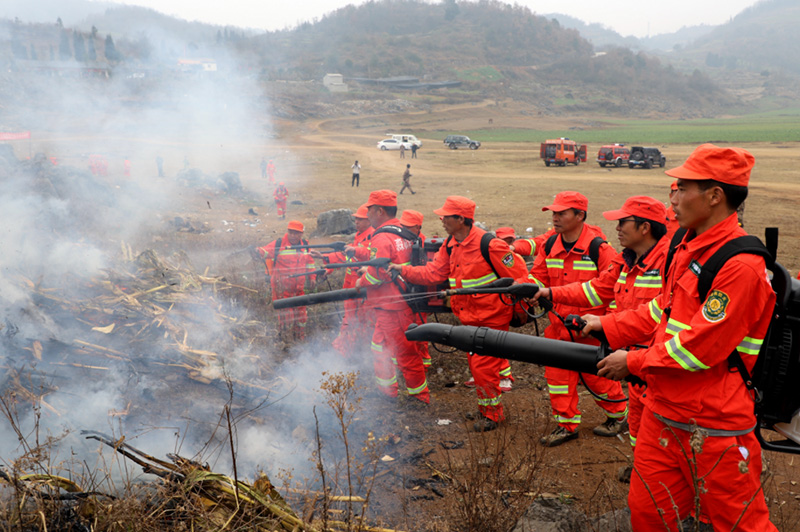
(392, 144)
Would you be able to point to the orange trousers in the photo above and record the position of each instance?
(390, 347)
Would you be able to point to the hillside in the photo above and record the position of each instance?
(763, 37)
(496, 49)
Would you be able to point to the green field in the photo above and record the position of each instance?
(773, 126)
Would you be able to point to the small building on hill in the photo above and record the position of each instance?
(334, 83)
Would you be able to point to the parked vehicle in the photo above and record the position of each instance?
(456, 141)
(616, 154)
(562, 151)
(646, 157)
(405, 140)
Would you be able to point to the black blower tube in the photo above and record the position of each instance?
(514, 346)
(316, 299)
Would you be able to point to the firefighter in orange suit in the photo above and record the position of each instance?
(569, 260)
(461, 261)
(412, 220)
(696, 442)
(281, 194)
(392, 314)
(283, 261)
(633, 279)
(525, 247)
(355, 321)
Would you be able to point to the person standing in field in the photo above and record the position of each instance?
(356, 174)
(407, 180)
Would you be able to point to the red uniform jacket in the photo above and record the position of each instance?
(623, 285)
(285, 263)
(280, 194)
(527, 247)
(361, 242)
(686, 367)
(465, 267)
(382, 293)
(561, 267)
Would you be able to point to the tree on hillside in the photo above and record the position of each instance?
(111, 52)
(91, 53)
(64, 49)
(450, 9)
(80, 48)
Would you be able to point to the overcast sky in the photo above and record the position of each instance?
(627, 17)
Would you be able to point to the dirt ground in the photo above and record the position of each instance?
(510, 184)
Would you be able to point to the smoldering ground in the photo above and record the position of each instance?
(86, 345)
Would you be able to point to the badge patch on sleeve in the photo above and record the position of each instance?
(508, 260)
(714, 309)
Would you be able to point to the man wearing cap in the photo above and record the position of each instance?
(412, 220)
(282, 262)
(568, 257)
(384, 299)
(524, 247)
(355, 321)
(633, 279)
(281, 194)
(460, 260)
(696, 440)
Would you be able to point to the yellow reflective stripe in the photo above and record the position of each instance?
(506, 372)
(378, 348)
(613, 304)
(535, 280)
(655, 311)
(533, 246)
(554, 263)
(489, 401)
(750, 346)
(404, 263)
(617, 415)
(452, 282)
(623, 277)
(386, 382)
(556, 389)
(480, 281)
(426, 361)
(674, 327)
(418, 389)
(288, 252)
(648, 281)
(372, 280)
(633, 440)
(564, 419)
(591, 294)
(584, 265)
(683, 356)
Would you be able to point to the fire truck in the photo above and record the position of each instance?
(562, 151)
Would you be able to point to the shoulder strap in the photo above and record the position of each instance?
(676, 239)
(402, 232)
(446, 246)
(744, 244)
(550, 243)
(486, 239)
(594, 249)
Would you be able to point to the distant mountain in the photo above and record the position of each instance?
(597, 34)
(762, 37)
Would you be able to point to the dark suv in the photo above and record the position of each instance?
(646, 157)
(454, 141)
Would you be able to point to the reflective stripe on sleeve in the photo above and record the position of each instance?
(750, 346)
(591, 294)
(655, 311)
(535, 280)
(674, 327)
(683, 356)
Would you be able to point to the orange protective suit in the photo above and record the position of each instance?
(281, 194)
(558, 268)
(392, 318)
(690, 385)
(463, 264)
